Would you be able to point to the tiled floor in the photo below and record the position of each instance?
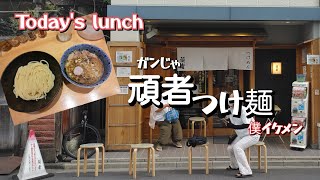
(274, 145)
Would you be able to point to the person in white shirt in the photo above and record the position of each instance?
(238, 159)
(169, 132)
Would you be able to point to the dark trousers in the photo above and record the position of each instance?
(169, 132)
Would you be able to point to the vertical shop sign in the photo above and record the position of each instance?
(304, 55)
(304, 69)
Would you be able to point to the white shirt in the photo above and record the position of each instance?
(239, 121)
(157, 116)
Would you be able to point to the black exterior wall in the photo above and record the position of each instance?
(280, 84)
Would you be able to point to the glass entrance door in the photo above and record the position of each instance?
(228, 80)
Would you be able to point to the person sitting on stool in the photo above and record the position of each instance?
(169, 132)
(238, 159)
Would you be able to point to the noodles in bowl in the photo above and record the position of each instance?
(85, 65)
(33, 81)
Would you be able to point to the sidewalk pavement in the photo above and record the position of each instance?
(279, 156)
(283, 174)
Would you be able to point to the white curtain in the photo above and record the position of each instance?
(191, 59)
(199, 59)
(241, 58)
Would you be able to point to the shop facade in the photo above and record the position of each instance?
(275, 31)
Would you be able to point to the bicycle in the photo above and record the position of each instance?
(82, 133)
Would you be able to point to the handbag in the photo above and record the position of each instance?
(172, 115)
(232, 138)
(196, 140)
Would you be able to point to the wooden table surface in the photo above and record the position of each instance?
(70, 96)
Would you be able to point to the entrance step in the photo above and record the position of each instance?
(220, 158)
(117, 164)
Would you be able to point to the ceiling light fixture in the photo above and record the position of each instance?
(276, 68)
(151, 31)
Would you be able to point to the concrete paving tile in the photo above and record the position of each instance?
(301, 163)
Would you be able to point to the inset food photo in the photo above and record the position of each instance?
(44, 75)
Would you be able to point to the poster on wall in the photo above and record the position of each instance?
(124, 90)
(123, 71)
(313, 59)
(124, 57)
(240, 58)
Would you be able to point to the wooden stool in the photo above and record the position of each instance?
(259, 145)
(197, 119)
(206, 158)
(95, 146)
(133, 158)
(193, 120)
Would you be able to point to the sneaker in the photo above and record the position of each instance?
(158, 148)
(177, 144)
